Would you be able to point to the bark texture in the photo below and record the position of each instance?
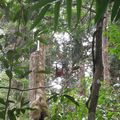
(36, 79)
(81, 80)
(97, 76)
(106, 67)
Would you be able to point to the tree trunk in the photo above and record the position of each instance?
(81, 80)
(97, 76)
(106, 67)
(37, 96)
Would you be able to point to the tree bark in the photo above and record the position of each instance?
(37, 97)
(106, 67)
(81, 80)
(97, 75)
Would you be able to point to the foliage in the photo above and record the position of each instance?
(101, 7)
(116, 11)
(23, 24)
(114, 37)
(65, 107)
(108, 105)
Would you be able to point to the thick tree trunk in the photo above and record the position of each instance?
(106, 67)
(97, 77)
(37, 96)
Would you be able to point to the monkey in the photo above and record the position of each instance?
(59, 72)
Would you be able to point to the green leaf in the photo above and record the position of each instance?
(9, 74)
(69, 12)
(0, 47)
(118, 16)
(2, 114)
(62, 99)
(39, 32)
(23, 110)
(18, 33)
(17, 112)
(115, 9)
(79, 4)
(25, 103)
(40, 16)
(1, 14)
(2, 101)
(45, 42)
(25, 16)
(101, 6)
(54, 97)
(24, 74)
(71, 99)
(17, 15)
(56, 14)
(4, 61)
(18, 71)
(1, 107)
(11, 115)
(10, 54)
(1, 36)
(42, 3)
(3, 4)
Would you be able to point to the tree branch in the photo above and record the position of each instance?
(22, 90)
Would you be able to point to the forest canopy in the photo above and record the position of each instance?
(59, 59)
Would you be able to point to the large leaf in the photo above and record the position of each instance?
(40, 16)
(115, 9)
(56, 14)
(79, 4)
(101, 6)
(42, 3)
(69, 12)
(72, 99)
